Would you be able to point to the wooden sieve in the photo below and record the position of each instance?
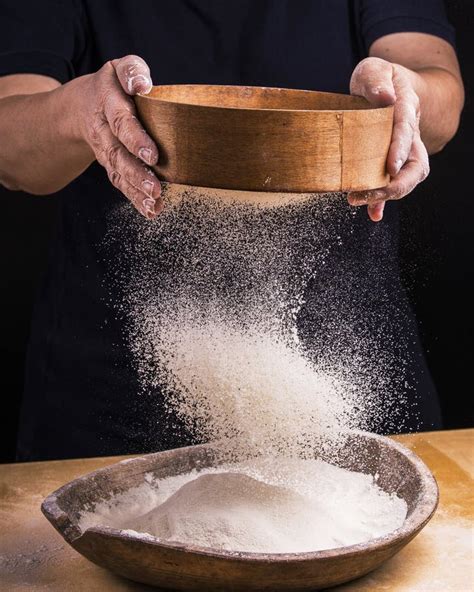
(257, 139)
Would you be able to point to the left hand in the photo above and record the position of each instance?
(383, 83)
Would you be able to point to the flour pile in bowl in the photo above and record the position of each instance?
(264, 506)
(216, 299)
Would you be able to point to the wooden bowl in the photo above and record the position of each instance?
(181, 567)
(266, 139)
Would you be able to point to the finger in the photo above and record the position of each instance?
(375, 211)
(415, 170)
(122, 166)
(133, 74)
(372, 79)
(121, 117)
(405, 125)
(148, 207)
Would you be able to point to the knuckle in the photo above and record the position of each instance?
(96, 132)
(106, 98)
(114, 177)
(94, 135)
(134, 195)
(119, 121)
(112, 154)
(133, 176)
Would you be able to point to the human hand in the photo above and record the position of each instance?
(383, 83)
(110, 127)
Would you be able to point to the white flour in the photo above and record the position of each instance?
(212, 309)
(213, 304)
(270, 506)
(253, 389)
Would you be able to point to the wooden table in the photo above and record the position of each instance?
(34, 557)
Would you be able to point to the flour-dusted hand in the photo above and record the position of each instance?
(108, 123)
(383, 83)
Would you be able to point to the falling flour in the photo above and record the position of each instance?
(213, 304)
(253, 390)
(266, 506)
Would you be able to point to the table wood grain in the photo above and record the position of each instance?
(34, 557)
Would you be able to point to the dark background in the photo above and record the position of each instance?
(436, 255)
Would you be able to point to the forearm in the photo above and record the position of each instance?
(441, 100)
(431, 67)
(42, 149)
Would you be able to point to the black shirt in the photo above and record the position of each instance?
(81, 396)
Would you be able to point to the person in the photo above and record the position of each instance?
(68, 72)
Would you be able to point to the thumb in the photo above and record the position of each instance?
(133, 74)
(373, 79)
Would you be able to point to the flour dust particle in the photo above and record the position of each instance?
(215, 297)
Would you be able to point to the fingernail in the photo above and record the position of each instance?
(149, 206)
(146, 155)
(376, 206)
(376, 212)
(148, 187)
(398, 165)
(139, 83)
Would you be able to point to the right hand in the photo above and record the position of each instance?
(111, 129)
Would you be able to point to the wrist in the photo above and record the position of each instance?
(71, 104)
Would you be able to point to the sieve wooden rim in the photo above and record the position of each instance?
(267, 139)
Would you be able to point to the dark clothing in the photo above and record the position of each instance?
(81, 386)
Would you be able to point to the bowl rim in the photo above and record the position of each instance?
(426, 506)
(148, 97)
